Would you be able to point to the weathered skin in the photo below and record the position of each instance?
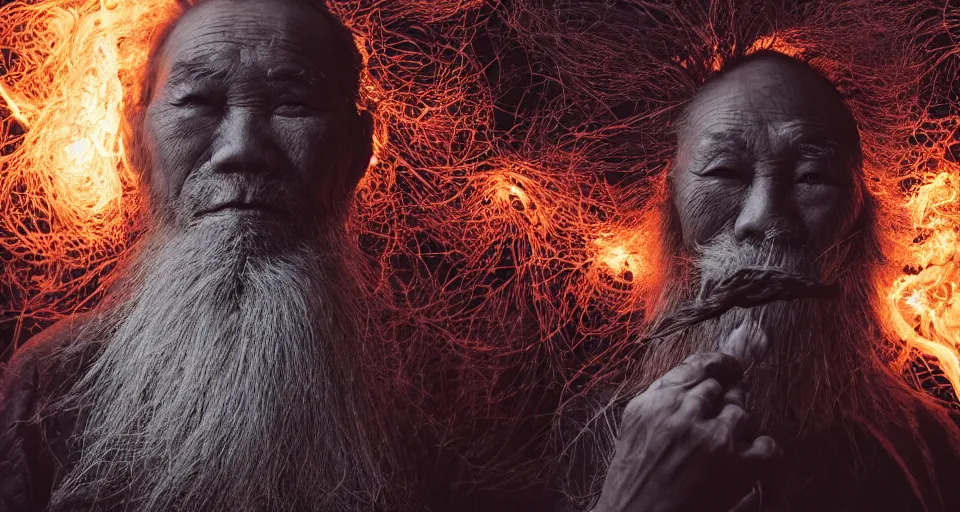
(773, 149)
(768, 175)
(247, 91)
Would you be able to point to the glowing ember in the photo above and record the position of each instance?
(65, 79)
(620, 255)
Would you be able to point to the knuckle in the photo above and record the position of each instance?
(722, 434)
(768, 447)
(737, 414)
(736, 396)
(711, 386)
(699, 401)
(675, 423)
(702, 359)
(713, 438)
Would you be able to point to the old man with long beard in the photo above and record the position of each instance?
(225, 370)
(768, 181)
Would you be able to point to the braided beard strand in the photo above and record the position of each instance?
(818, 342)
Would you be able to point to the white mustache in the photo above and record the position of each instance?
(719, 258)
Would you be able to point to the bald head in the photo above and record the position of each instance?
(767, 149)
(249, 118)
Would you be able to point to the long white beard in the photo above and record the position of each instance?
(822, 373)
(230, 379)
(793, 387)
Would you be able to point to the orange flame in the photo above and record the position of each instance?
(72, 146)
(925, 306)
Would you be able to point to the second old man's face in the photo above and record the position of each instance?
(767, 152)
(250, 118)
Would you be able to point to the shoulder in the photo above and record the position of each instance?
(36, 366)
(44, 346)
(37, 363)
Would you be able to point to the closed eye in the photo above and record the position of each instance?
(294, 108)
(813, 178)
(194, 100)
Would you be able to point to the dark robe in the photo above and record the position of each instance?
(35, 446)
(36, 449)
(884, 468)
(871, 468)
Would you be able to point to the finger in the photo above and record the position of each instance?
(736, 396)
(722, 367)
(734, 418)
(747, 343)
(704, 399)
(740, 398)
(750, 502)
(761, 451)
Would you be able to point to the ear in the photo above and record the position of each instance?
(363, 149)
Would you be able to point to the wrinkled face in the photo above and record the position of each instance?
(767, 152)
(250, 120)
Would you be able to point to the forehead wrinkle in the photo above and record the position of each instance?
(716, 126)
(281, 60)
(212, 63)
(236, 29)
(757, 121)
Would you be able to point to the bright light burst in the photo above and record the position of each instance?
(64, 214)
(925, 303)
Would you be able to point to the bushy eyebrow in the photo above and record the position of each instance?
(294, 74)
(801, 138)
(186, 70)
(193, 70)
(817, 148)
(810, 139)
(718, 143)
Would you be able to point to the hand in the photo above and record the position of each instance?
(684, 442)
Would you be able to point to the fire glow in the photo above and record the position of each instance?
(69, 197)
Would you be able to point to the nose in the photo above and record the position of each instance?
(767, 212)
(242, 144)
